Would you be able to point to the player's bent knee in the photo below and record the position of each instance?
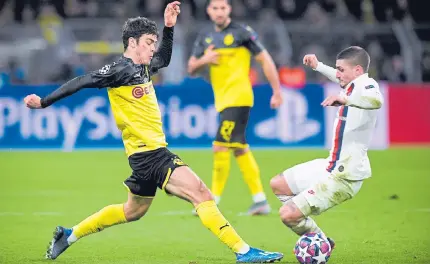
(280, 186)
(274, 182)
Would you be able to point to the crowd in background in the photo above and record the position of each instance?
(296, 27)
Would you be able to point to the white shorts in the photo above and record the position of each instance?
(315, 189)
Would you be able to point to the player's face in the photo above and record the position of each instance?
(145, 48)
(219, 11)
(347, 72)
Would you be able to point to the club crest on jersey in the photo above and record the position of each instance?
(228, 39)
(208, 40)
(178, 162)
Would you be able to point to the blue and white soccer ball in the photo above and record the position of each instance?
(312, 248)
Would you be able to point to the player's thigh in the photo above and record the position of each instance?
(232, 129)
(305, 175)
(185, 184)
(326, 194)
(172, 175)
(151, 170)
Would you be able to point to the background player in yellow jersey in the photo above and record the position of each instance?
(134, 104)
(227, 47)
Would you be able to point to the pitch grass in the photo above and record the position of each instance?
(387, 222)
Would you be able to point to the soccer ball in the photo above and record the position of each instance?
(312, 248)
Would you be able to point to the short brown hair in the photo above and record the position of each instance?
(357, 55)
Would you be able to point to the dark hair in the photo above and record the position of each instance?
(136, 27)
(209, 1)
(356, 55)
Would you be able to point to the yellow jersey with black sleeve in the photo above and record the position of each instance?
(230, 77)
(131, 94)
(137, 115)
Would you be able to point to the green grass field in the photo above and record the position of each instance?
(39, 190)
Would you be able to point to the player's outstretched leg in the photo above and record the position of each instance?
(111, 215)
(185, 184)
(251, 174)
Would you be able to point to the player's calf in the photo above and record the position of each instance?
(136, 207)
(292, 217)
(290, 214)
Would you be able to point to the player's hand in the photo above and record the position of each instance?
(334, 100)
(276, 100)
(32, 101)
(171, 13)
(310, 60)
(211, 56)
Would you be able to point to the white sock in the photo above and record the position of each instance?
(217, 199)
(72, 239)
(244, 249)
(307, 225)
(284, 198)
(259, 197)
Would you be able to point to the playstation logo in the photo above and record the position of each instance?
(290, 124)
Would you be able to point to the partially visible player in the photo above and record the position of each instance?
(137, 114)
(227, 47)
(313, 187)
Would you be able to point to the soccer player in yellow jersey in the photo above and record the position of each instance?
(227, 47)
(137, 115)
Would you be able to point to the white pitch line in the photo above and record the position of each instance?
(47, 213)
(11, 213)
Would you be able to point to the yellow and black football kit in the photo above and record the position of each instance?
(234, 98)
(137, 115)
(230, 78)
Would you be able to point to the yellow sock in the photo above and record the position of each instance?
(251, 173)
(106, 217)
(220, 172)
(212, 218)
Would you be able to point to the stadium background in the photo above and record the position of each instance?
(44, 43)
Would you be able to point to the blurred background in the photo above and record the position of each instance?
(43, 43)
(49, 41)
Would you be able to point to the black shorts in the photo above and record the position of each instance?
(232, 128)
(151, 169)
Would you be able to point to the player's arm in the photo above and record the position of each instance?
(263, 57)
(370, 98)
(164, 54)
(201, 57)
(271, 74)
(312, 61)
(107, 76)
(162, 57)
